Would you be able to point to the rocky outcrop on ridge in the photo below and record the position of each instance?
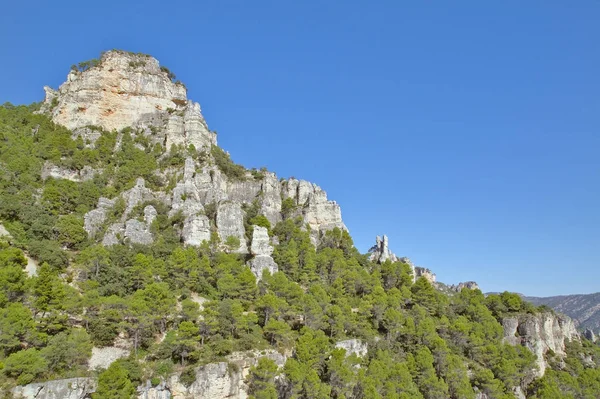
(425, 273)
(540, 333)
(127, 90)
(380, 252)
(471, 285)
(131, 91)
(584, 309)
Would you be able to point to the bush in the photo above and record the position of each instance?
(226, 165)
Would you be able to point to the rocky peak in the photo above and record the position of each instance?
(127, 90)
(380, 252)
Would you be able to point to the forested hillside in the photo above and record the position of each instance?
(177, 307)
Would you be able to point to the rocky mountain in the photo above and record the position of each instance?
(583, 309)
(131, 91)
(137, 260)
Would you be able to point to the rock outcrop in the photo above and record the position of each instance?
(380, 252)
(471, 285)
(103, 357)
(540, 333)
(230, 223)
(71, 388)
(57, 172)
(130, 91)
(425, 273)
(214, 380)
(262, 249)
(126, 90)
(353, 347)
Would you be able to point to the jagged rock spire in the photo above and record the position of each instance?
(380, 252)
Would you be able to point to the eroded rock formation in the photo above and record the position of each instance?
(127, 90)
(262, 249)
(540, 333)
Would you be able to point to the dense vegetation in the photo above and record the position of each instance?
(422, 343)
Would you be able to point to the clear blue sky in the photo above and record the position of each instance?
(467, 131)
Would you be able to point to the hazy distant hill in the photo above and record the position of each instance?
(584, 309)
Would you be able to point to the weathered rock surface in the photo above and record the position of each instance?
(471, 285)
(104, 357)
(584, 309)
(71, 388)
(125, 90)
(353, 347)
(137, 232)
(540, 333)
(380, 252)
(214, 380)
(426, 273)
(129, 90)
(262, 249)
(230, 223)
(196, 229)
(57, 172)
(95, 218)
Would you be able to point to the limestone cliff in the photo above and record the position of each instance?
(213, 380)
(540, 333)
(131, 91)
(124, 90)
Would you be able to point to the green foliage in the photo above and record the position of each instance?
(422, 343)
(114, 383)
(25, 365)
(226, 165)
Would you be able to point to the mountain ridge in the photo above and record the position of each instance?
(181, 274)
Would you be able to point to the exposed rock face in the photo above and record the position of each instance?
(583, 309)
(314, 207)
(94, 219)
(471, 285)
(214, 380)
(230, 222)
(196, 229)
(125, 90)
(71, 388)
(426, 273)
(129, 90)
(262, 249)
(56, 172)
(540, 333)
(137, 232)
(103, 357)
(353, 347)
(380, 252)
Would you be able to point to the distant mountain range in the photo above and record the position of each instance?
(583, 309)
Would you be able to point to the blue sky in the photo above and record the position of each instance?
(466, 131)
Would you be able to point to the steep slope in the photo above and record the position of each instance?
(132, 94)
(179, 274)
(583, 309)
